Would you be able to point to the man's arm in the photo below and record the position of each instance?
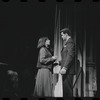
(70, 55)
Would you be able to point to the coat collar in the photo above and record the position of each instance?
(69, 40)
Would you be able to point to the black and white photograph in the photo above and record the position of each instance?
(49, 49)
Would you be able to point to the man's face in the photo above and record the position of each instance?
(63, 36)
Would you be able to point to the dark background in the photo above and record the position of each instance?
(23, 23)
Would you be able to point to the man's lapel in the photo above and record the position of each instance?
(66, 44)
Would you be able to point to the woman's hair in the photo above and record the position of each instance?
(41, 42)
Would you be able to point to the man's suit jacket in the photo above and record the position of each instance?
(68, 56)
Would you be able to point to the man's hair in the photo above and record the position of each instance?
(66, 30)
(41, 42)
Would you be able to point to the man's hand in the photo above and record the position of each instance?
(63, 71)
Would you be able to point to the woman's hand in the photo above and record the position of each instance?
(54, 57)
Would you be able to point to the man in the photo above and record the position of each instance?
(67, 62)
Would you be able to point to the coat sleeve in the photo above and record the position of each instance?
(43, 58)
(70, 54)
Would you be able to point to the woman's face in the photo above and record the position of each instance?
(47, 42)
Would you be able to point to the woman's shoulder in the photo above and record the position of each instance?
(42, 49)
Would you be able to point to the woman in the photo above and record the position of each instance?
(43, 86)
